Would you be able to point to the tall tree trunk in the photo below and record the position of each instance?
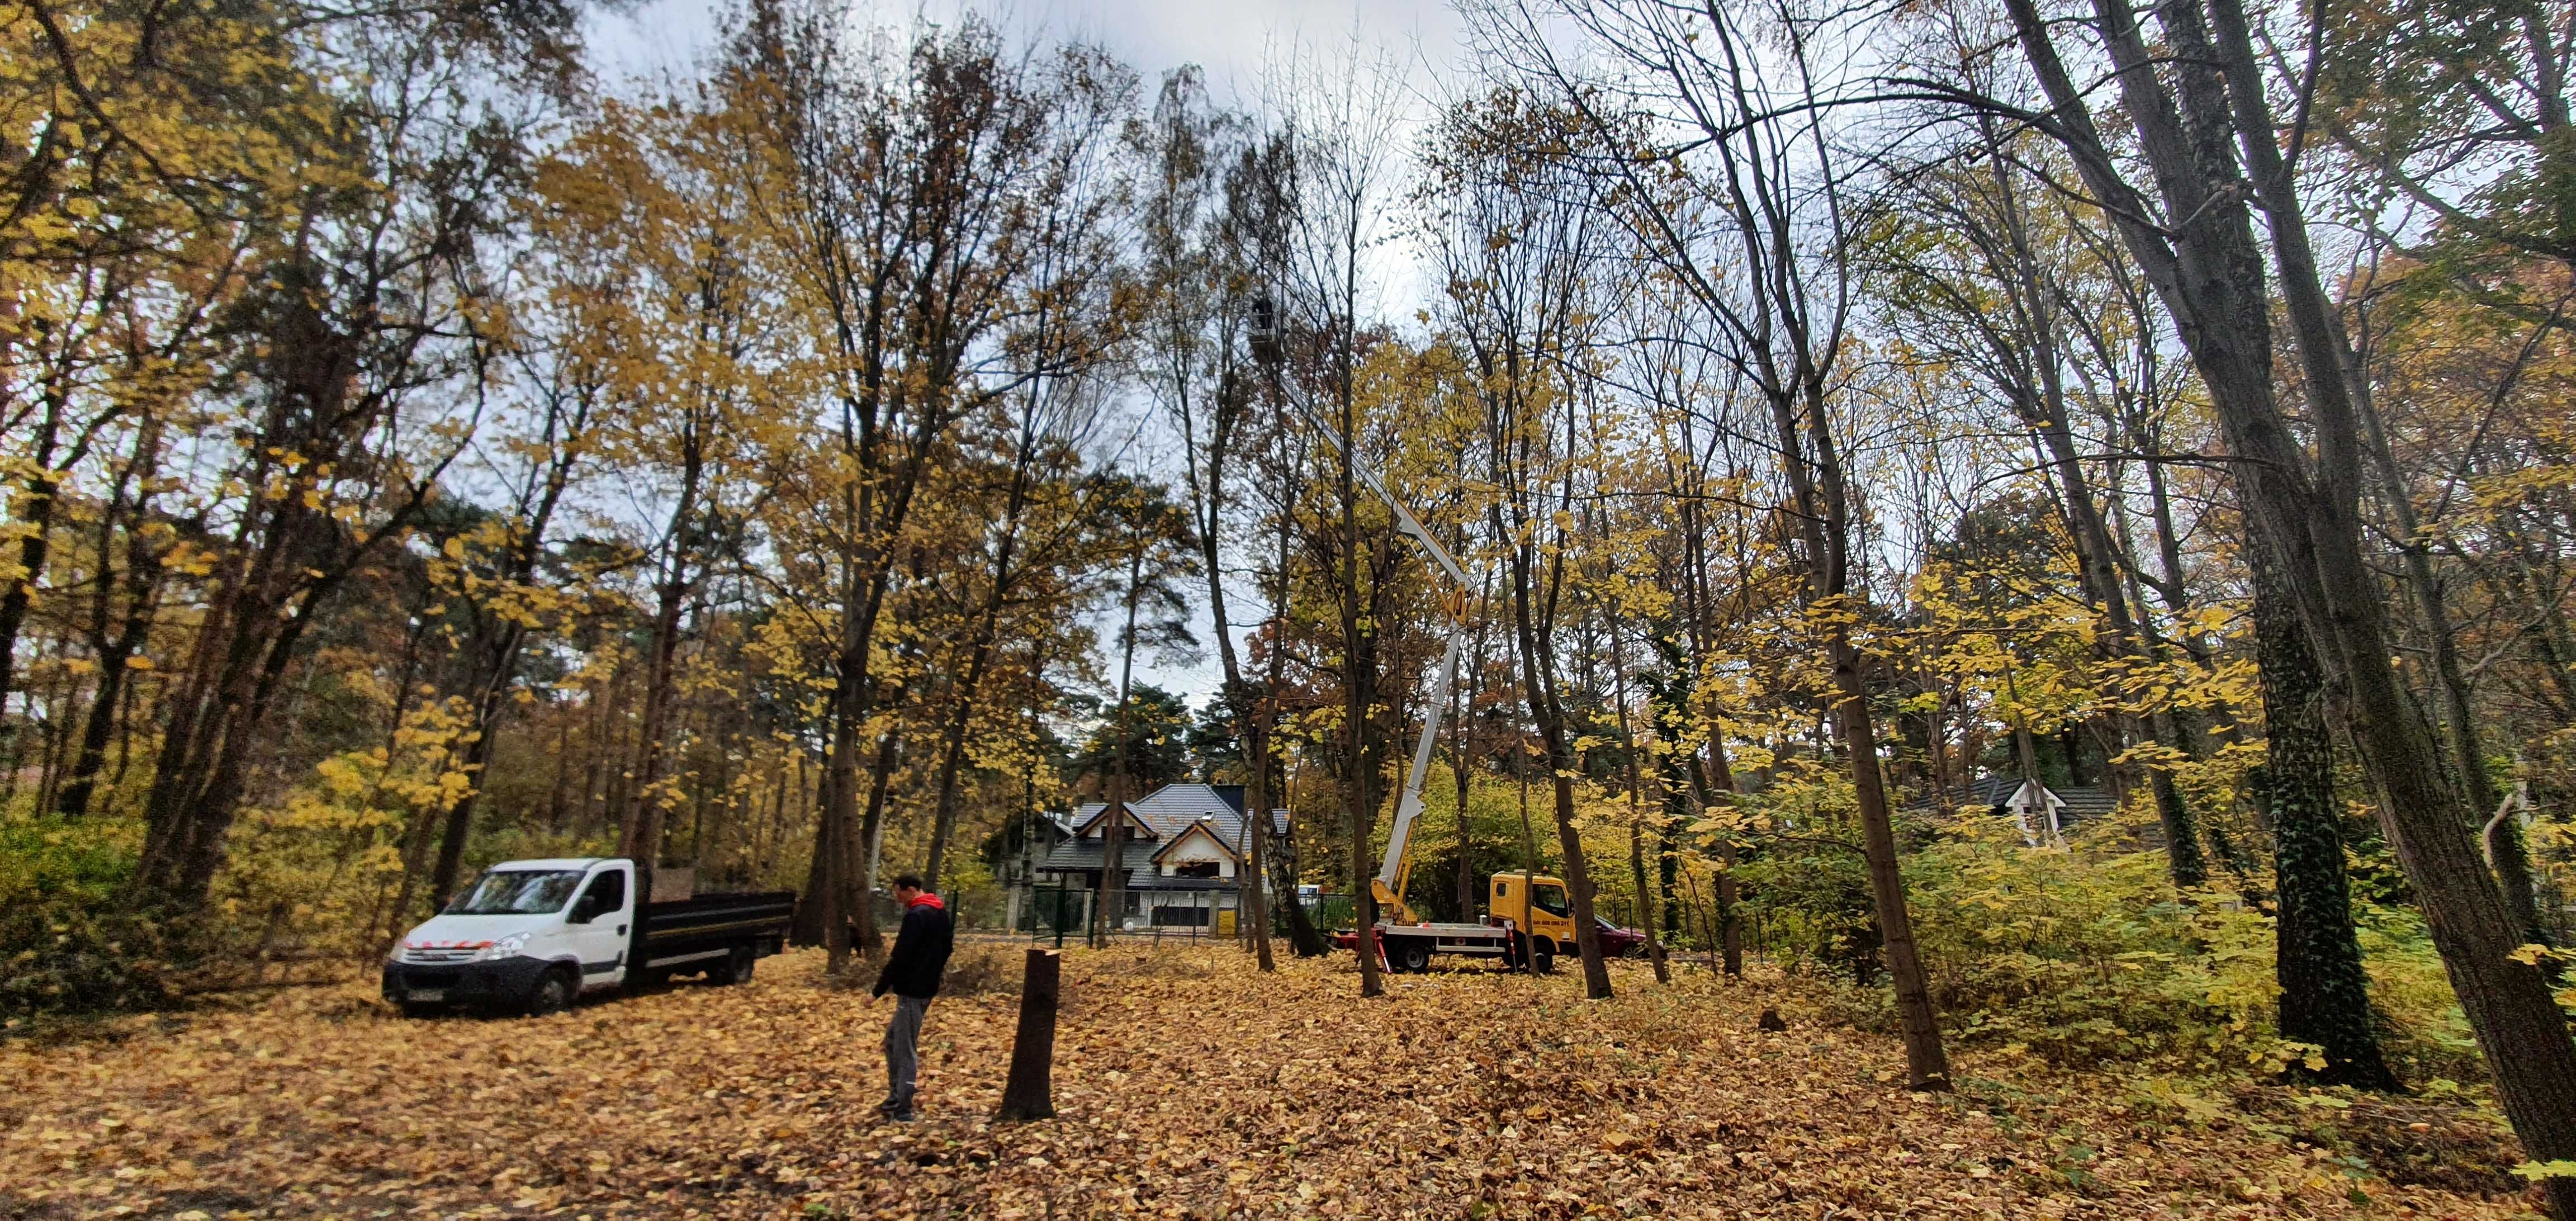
(1255, 883)
(142, 580)
(816, 910)
(1636, 812)
(2209, 272)
(497, 657)
(2325, 996)
(39, 497)
(559, 795)
(489, 704)
(952, 758)
(2459, 707)
(1711, 775)
(1109, 902)
(1821, 502)
(838, 830)
(212, 805)
(1529, 833)
(640, 834)
(2042, 405)
(871, 846)
(1538, 682)
(1304, 938)
(952, 752)
(1359, 697)
(1718, 787)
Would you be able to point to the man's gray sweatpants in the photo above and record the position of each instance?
(903, 1034)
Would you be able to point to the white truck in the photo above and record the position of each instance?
(536, 935)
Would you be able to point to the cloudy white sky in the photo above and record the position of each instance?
(1233, 41)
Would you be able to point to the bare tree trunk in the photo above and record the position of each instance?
(2459, 708)
(1113, 858)
(1255, 885)
(1029, 1092)
(863, 923)
(1720, 786)
(141, 581)
(641, 822)
(2210, 275)
(1646, 913)
(2325, 996)
(1813, 466)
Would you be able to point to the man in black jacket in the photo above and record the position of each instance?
(912, 974)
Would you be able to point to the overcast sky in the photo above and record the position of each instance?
(1231, 40)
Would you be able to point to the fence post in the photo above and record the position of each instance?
(1030, 1091)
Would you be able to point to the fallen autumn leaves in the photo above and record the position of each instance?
(1187, 1086)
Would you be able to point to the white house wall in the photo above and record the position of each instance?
(1197, 848)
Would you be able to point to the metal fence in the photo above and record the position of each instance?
(1062, 914)
(1324, 911)
(1053, 913)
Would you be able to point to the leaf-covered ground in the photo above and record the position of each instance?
(1188, 1086)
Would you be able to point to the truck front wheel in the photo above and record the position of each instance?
(1543, 956)
(737, 969)
(553, 993)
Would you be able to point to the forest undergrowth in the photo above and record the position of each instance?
(1186, 1085)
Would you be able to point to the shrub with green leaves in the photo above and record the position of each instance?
(67, 946)
(2090, 960)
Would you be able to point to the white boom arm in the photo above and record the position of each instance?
(1399, 839)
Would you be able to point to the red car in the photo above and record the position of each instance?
(1617, 942)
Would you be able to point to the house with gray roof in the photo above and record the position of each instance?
(2041, 812)
(1184, 854)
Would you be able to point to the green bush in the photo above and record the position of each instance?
(1816, 909)
(68, 946)
(2092, 961)
(45, 858)
(67, 960)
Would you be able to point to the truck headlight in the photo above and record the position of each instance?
(503, 948)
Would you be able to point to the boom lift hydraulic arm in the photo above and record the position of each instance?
(1396, 869)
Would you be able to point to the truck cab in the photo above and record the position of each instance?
(537, 933)
(1537, 906)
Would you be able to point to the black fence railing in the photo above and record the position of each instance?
(1326, 912)
(1063, 913)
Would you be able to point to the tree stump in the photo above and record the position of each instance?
(1770, 1019)
(1030, 1092)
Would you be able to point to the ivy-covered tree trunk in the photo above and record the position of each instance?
(2324, 993)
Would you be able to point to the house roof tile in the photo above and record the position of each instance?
(1173, 808)
(2076, 802)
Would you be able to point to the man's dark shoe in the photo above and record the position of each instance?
(889, 1107)
(901, 1116)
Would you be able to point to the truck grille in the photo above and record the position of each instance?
(437, 955)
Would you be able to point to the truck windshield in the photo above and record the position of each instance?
(517, 892)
